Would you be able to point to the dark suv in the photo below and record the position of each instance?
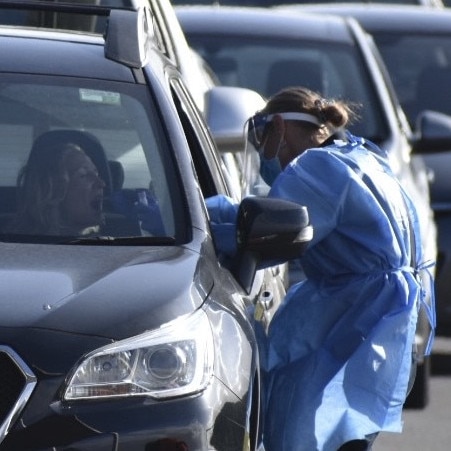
(134, 333)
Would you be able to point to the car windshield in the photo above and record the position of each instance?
(84, 159)
(267, 65)
(420, 68)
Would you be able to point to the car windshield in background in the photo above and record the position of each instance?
(420, 67)
(266, 66)
(124, 165)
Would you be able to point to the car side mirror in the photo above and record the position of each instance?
(227, 109)
(433, 132)
(269, 231)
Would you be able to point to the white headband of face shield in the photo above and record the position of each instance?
(296, 117)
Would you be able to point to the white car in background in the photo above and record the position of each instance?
(266, 49)
(416, 47)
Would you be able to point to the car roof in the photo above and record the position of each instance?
(58, 24)
(267, 3)
(250, 21)
(49, 52)
(374, 17)
(168, 34)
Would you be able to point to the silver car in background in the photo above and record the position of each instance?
(266, 49)
(416, 47)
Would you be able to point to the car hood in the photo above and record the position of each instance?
(112, 292)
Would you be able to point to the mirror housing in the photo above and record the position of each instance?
(269, 231)
(227, 109)
(433, 133)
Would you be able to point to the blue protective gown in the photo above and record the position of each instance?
(340, 346)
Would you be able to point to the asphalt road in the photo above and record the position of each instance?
(427, 429)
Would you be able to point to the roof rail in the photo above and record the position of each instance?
(129, 28)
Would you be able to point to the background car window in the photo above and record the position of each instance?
(131, 155)
(420, 67)
(331, 69)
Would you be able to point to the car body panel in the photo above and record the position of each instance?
(18, 56)
(204, 19)
(269, 3)
(71, 282)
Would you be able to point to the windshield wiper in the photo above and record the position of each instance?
(122, 241)
(89, 240)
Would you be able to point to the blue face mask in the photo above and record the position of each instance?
(270, 168)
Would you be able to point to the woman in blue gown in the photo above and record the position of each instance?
(339, 360)
(340, 347)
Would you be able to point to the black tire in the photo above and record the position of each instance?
(418, 397)
(253, 439)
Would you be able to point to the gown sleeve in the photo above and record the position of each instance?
(317, 180)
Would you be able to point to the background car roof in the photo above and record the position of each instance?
(384, 16)
(260, 21)
(266, 3)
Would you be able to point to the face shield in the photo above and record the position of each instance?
(256, 133)
(252, 183)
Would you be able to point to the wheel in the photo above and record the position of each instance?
(255, 427)
(418, 397)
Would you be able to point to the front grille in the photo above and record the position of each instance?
(16, 385)
(12, 381)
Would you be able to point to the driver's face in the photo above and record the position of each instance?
(82, 205)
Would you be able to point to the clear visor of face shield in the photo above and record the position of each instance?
(256, 128)
(256, 134)
(252, 183)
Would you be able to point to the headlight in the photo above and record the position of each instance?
(175, 360)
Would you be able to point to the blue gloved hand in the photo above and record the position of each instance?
(141, 206)
(223, 212)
